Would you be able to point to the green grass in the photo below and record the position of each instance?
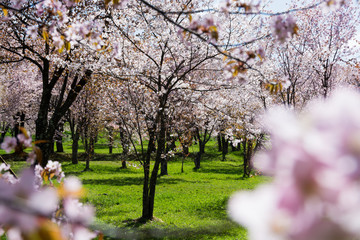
(189, 205)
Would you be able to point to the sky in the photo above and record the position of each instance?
(278, 5)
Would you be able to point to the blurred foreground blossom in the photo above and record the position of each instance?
(34, 207)
(315, 161)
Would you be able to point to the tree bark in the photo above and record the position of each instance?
(45, 129)
(75, 147)
(225, 147)
(125, 146)
(159, 151)
(148, 204)
(164, 169)
(111, 140)
(219, 142)
(198, 157)
(247, 155)
(146, 207)
(59, 145)
(202, 143)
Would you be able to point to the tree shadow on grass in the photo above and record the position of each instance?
(128, 181)
(214, 210)
(115, 181)
(231, 170)
(157, 229)
(97, 168)
(146, 231)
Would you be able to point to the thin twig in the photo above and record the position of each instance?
(10, 170)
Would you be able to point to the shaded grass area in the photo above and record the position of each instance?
(188, 205)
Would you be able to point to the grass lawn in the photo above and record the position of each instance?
(189, 205)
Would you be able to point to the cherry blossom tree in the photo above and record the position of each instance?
(33, 36)
(307, 63)
(19, 99)
(158, 50)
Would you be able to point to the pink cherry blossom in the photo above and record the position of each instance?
(282, 28)
(25, 141)
(9, 143)
(315, 160)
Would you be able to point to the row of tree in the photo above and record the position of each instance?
(130, 69)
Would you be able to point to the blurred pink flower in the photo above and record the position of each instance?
(9, 144)
(315, 161)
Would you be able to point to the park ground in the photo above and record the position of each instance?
(188, 205)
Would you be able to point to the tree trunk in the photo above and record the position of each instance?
(160, 118)
(154, 174)
(182, 164)
(169, 147)
(75, 147)
(59, 145)
(219, 142)
(125, 146)
(111, 140)
(45, 129)
(123, 164)
(247, 155)
(164, 169)
(146, 207)
(199, 154)
(197, 160)
(225, 147)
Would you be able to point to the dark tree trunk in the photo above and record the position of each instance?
(182, 164)
(164, 169)
(75, 147)
(198, 157)
(59, 138)
(203, 139)
(125, 146)
(202, 147)
(169, 147)
(197, 160)
(52, 149)
(154, 174)
(247, 155)
(59, 145)
(148, 205)
(123, 164)
(22, 119)
(219, 142)
(111, 140)
(225, 147)
(75, 136)
(45, 129)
